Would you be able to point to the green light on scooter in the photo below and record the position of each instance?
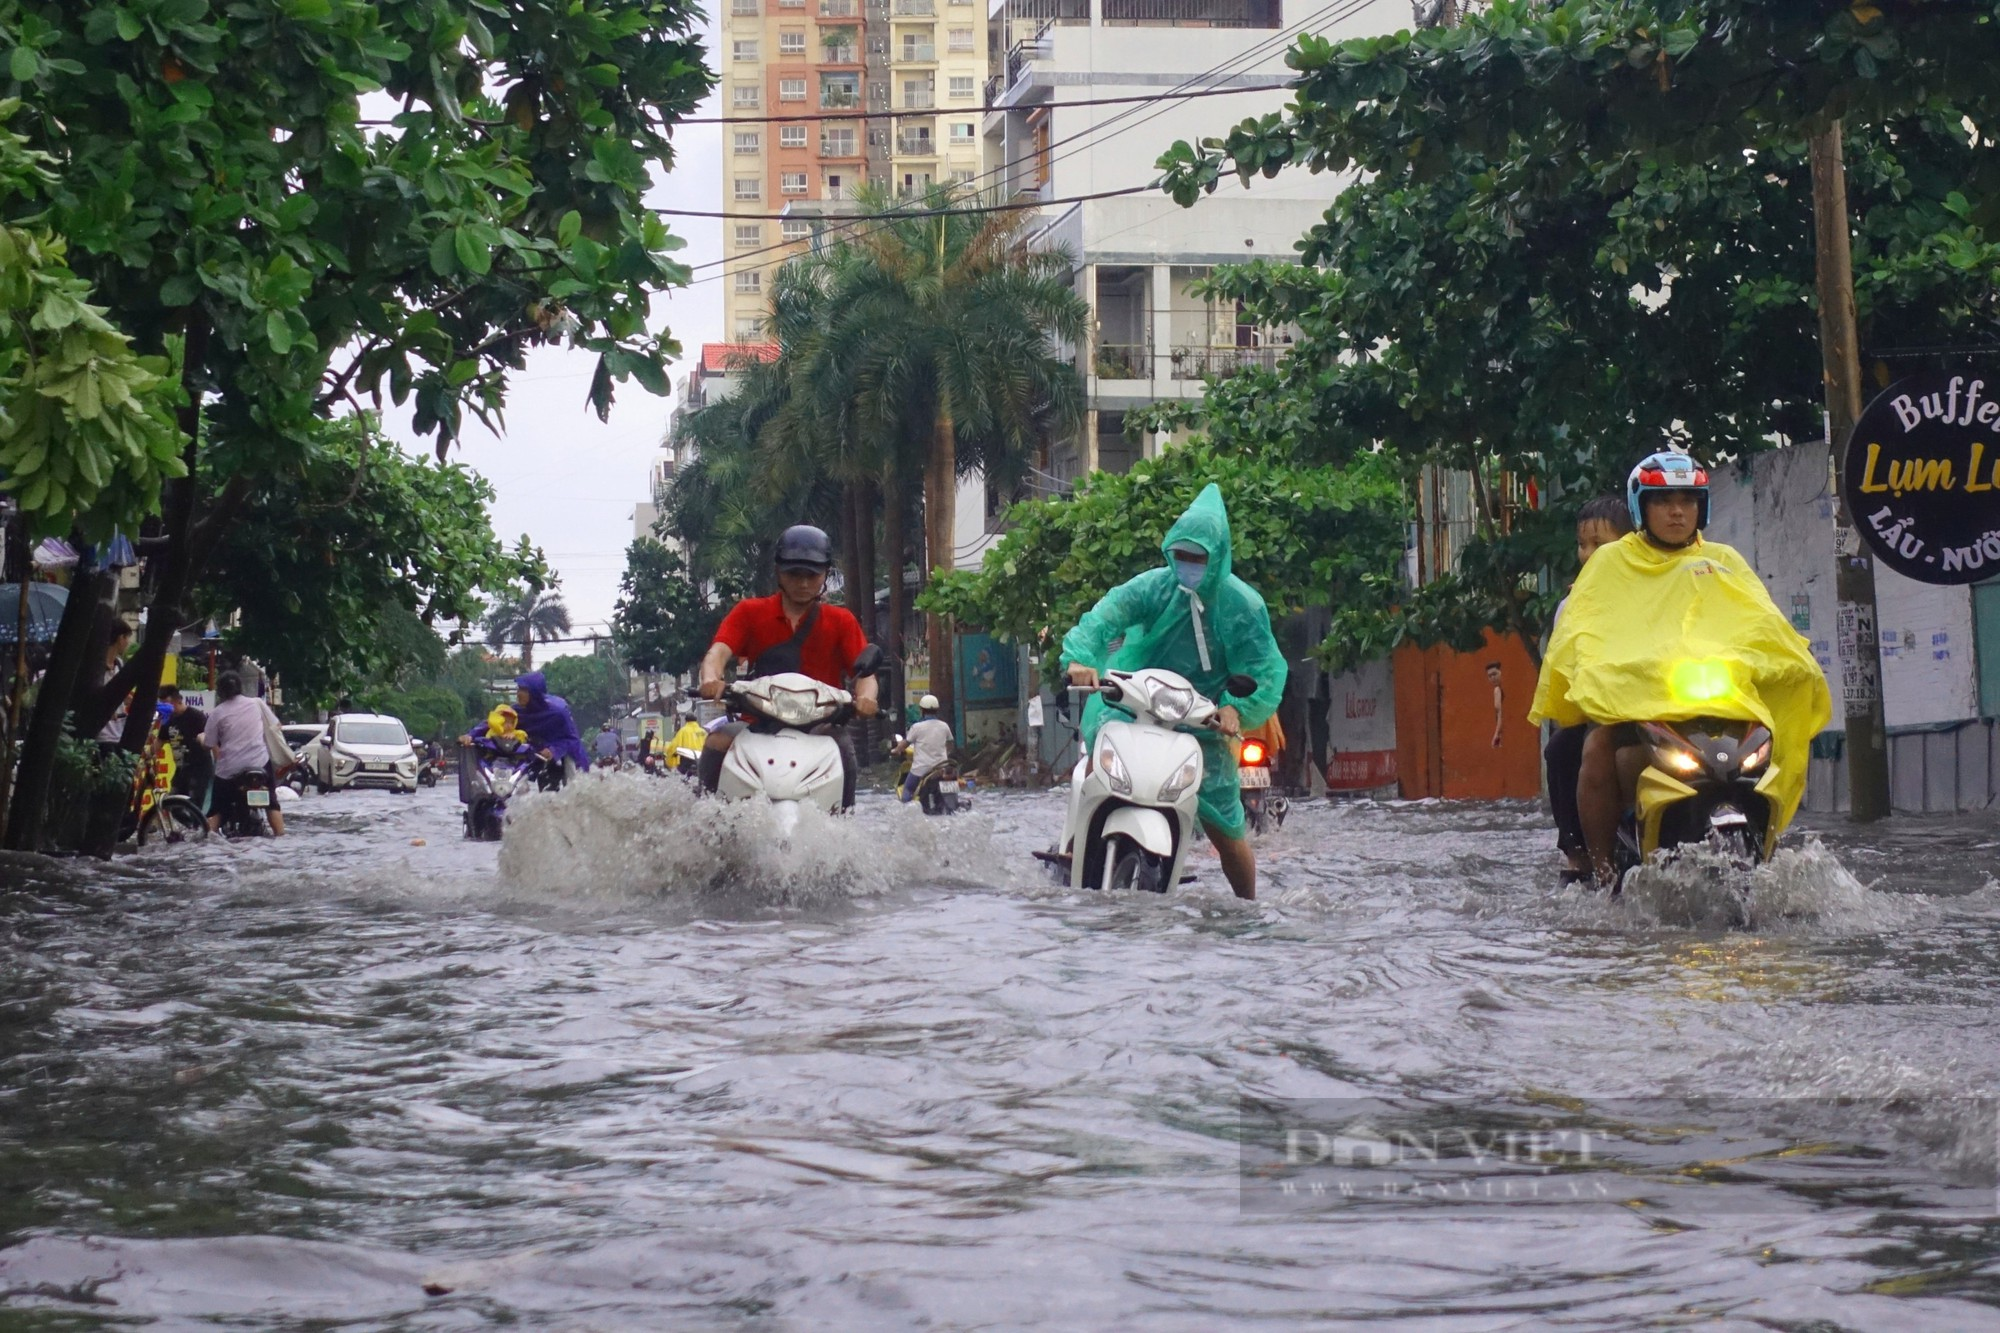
(1701, 682)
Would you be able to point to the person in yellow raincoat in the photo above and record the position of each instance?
(1664, 626)
(691, 736)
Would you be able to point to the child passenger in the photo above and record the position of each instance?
(1599, 523)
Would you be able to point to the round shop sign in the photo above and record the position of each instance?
(1922, 478)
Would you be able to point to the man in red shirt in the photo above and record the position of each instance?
(792, 630)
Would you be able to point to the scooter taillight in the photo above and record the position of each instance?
(1253, 754)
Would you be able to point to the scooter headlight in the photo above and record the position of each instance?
(1674, 759)
(1114, 768)
(1171, 704)
(1756, 758)
(1184, 777)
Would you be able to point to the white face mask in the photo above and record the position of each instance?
(1190, 572)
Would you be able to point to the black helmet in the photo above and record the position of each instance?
(803, 544)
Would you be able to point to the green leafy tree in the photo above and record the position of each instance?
(341, 567)
(1301, 536)
(1529, 294)
(218, 181)
(593, 684)
(525, 616)
(938, 327)
(664, 620)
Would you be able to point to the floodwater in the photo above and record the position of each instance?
(641, 1068)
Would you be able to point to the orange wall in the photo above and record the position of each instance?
(1444, 723)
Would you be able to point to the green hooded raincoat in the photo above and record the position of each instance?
(1216, 631)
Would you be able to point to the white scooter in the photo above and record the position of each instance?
(1132, 803)
(778, 759)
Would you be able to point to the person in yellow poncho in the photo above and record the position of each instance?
(691, 736)
(1663, 626)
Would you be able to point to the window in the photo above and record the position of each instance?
(961, 88)
(914, 181)
(744, 95)
(749, 235)
(749, 187)
(837, 143)
(750, 282)
(748, 331)
(791, 90)
(916, 95)
(743, 8)
(791, 4)
(839, 91)
(792, 43)
(961, 39)
(833, 190)
(961, 134)
(792, 182)
(746, 141)
(792, 136)
(796, 229)
(745, 50)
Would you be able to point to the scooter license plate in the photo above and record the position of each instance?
(948, 788)
(257, 798)
(1254, 777)
(1728, 819)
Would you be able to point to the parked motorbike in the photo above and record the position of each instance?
(778, 758)
(1133, 800)
(488, 778)
(1703, 788)
(1264, 806)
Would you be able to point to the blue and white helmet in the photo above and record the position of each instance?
(1666, 472)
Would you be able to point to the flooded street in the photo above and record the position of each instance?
(641, 1069)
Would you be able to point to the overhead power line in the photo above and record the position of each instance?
(902, 213)
(1229, 68)
(808, 117)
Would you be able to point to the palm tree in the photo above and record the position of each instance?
(944, 325)
(523, 617)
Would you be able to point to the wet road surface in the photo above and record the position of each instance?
(642, 1068)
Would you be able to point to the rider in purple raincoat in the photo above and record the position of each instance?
(547, 720)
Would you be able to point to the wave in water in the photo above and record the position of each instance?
(626, 836)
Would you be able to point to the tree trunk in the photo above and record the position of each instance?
(939, 522)
(527, 652)
(894, 541)
(850, 550)
(68, 660)
(864, 537)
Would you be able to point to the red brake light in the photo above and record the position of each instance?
(1253, 753)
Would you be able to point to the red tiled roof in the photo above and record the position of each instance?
(717, 357)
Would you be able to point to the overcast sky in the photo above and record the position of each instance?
(563, 477)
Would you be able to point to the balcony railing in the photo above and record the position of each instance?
(915, 8)
(916, 145)
(838, 145)
(839, 99)
(839, 9)
(1123, 361)
(1208, 13)
(915, 54)
(1199, 363)
(925, 100)
(842, 55)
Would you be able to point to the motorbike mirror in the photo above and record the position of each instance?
(870, 660)
(1240, 686)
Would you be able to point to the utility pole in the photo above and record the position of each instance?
(1854, 566)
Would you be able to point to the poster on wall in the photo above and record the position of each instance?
(986, 673)
(1922, 476)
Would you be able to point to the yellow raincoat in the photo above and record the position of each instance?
(1664, 636)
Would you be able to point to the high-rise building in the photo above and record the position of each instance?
(826, 95)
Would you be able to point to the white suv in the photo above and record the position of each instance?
(365, 750)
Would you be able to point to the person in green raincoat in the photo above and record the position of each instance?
(1194, 617)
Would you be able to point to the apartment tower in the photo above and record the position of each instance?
(798, 76)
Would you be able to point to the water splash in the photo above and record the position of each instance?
(1803, 888)
(628, 837)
